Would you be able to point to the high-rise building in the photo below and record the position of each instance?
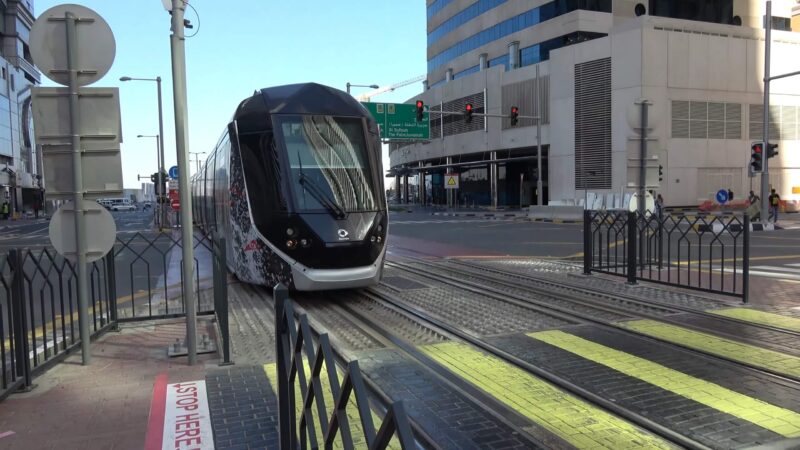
(583, 67)
(20, 161)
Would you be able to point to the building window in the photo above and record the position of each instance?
(500, 61)
(593, 124)
(714, 11)
(5, 73)
(466, 72)
(13, 88)
(706, 120)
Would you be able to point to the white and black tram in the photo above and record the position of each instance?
(295, 185)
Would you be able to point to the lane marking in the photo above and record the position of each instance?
(778, 269)
(737, 351)
(762, 317)
(353, 417)
(774, 418)
(155, 422)
(186, 420)
(569, 417)
(7, 434)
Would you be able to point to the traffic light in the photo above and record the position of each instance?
(514, 115)
(153, 178)
(756, 158)
(420, 110)
(771, 150)
(660, 173)
(468, 112)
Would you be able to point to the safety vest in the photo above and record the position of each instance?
(775, 200)
(5, 208)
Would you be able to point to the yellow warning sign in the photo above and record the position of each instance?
(795, 189)
(451, 181)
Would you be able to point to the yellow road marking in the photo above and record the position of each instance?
(354, 420)
(574, 420)
(737, 351)
(762, 317)
(774, 418)
(727, 260)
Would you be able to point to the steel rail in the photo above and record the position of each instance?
(638, 419)
(789, 380)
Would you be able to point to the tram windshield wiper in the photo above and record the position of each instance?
(336, 211)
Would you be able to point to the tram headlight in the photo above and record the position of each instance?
(379, 239)
(291, 243)
(372, 239)
(305, 242)
(380, 228)
(290, 232)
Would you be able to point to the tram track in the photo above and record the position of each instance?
(363, 309)
(575, 307)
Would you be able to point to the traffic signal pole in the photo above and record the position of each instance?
(764, 158)
(181, 139)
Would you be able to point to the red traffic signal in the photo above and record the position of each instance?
(757, 158)
(420, 110)
(468, 112)
(514, 115)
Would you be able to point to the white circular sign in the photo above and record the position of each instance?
(101, 231)
(95, 47)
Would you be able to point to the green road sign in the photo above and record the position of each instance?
(399, 120)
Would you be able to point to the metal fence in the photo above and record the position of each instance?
(140, 279)
(301, 364)
(39, 311)
(706, 253)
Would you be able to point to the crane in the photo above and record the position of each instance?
(367, 95)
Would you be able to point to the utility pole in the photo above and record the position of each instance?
(539, 175)
(178, 47)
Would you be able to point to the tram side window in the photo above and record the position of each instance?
(220, 184)
(262, 173)
(208, 202)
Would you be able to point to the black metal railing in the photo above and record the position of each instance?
(220, 272)
(707, 253)
(303, 365)
(149, 274)
(39, 311)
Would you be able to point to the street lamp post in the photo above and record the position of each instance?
(162, 212)
(371, 86)
(197, 160)
(159, 219)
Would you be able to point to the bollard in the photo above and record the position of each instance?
(745, 261)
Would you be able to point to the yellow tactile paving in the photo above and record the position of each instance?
(352, 410)
(761, 317)
(774, 418)
(737, 351)
(574, 420)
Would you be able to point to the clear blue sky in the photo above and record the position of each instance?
(245, 45)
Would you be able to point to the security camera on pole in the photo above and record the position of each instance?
(178, 44)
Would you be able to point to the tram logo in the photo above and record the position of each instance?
(343, 234)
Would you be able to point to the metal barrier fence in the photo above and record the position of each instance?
(300, 363)
(39, 311)
(709, 254)
(140, 279)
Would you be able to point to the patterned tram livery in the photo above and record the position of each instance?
(295, 184)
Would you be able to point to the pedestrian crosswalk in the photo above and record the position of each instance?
(783, 271)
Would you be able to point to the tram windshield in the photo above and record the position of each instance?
(330, 167)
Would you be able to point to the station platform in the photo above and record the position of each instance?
(474, 363)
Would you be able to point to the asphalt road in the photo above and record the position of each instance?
(773, 254)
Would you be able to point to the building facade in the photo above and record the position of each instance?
(20, 161)
(582, 69)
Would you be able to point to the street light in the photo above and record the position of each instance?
(161, 169)
(371, 86)
(197, 159)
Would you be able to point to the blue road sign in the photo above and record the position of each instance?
(722, 196)
(173, 173)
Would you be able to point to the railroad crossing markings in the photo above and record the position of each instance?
(737, 351)
(763, 414)
(761, 317)
(569, 417)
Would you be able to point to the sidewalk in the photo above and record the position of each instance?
(105, 405)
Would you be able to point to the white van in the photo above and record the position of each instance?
(120, 204)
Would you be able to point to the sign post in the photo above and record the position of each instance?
(74, 46)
